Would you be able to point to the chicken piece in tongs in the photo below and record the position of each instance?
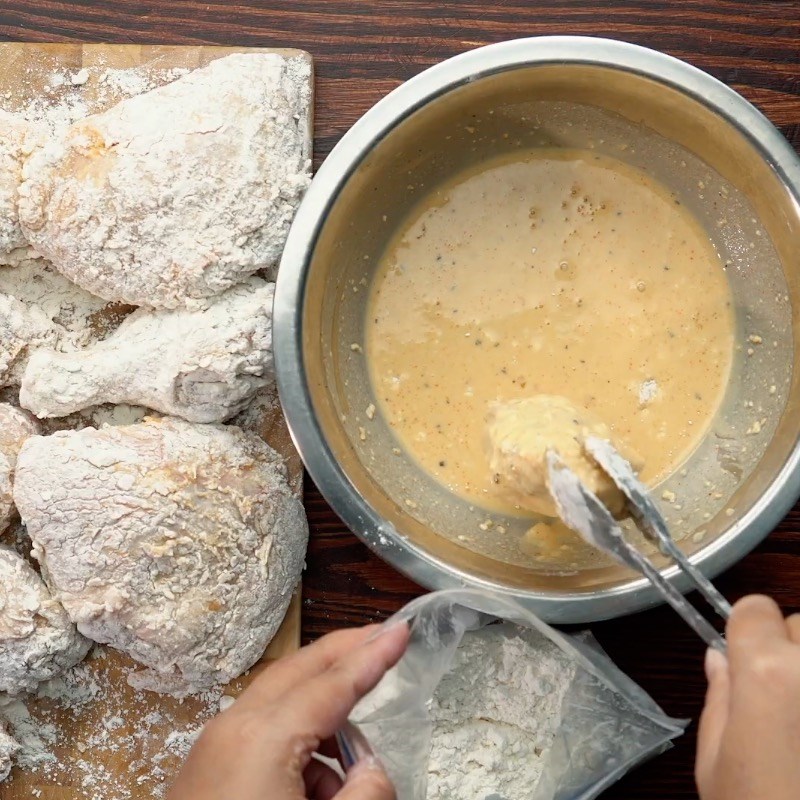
(582, 511)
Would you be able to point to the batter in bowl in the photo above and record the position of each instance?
(556, 272)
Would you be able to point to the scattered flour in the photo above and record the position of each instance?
(495, 715)
(136, 80)
(66, 96)
(62, 718)
(181, 742)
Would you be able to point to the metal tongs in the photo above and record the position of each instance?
(582, 511)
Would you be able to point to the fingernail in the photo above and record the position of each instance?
(353, 745)
(715, 663)
(391, 624)
(367, 764)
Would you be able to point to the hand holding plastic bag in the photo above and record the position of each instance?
(608, 723)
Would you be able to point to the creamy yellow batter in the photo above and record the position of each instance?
(563, 273)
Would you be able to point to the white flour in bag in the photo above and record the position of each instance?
(495, 714)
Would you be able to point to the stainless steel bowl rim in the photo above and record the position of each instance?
(385, 540)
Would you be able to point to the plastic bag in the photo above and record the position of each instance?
(608, 724)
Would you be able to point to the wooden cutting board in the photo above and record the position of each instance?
(110, 742)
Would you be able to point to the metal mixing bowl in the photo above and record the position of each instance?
(719, 155)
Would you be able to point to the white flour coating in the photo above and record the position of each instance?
(135, 80)
(37, 640)
(71, 309)
(35, 740)
(495, 714)
(96, 417)
(8, 747)
(116, 416)
(15, 427)
(40, 308)
(56, 113)
(60, 103)
(14, 136)
(75, 688)
(202, 364)
(22, 329)
(178, 193)
(179, 544)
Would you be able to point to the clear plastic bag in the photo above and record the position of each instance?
(608, 724)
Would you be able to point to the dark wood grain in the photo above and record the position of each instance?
(363, 50)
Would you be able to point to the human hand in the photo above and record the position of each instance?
(749, 740)
(261, 747)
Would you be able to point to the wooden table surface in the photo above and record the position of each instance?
(362, 50)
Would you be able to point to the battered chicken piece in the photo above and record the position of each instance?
(15, 427)
(22, 329)
(37, 639)
(179, 544)
(13, 134)
(180, 192)
(520, 433)
(202, 364)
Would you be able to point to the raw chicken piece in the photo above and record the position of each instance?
(180, 192)
(22, 329)
(520, 433)
(201, 364)
(8, 747)
(15, 427)
(179, 544)
(13, 134)
(37, 639)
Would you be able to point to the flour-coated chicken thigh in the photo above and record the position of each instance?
(178, 193)
(179, 544)
(37, 639)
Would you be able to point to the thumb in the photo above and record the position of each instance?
(317, 708)
(715, 714)
(367, 781)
